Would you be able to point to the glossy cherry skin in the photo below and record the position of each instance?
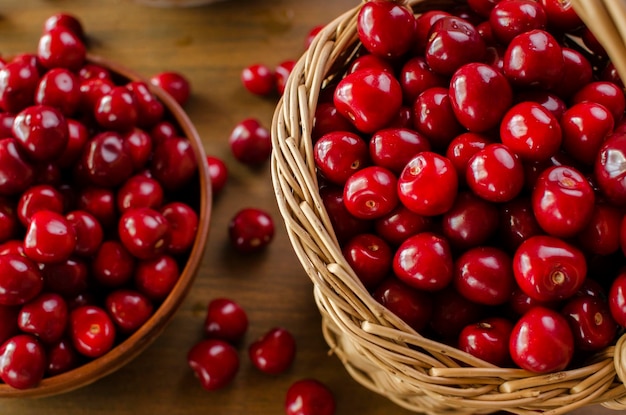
(453, 42)
(556, 191)
(226, 320)
(434, 117)
(183, 226)
(41, 131)
(20, 279)
(471, 221)
(328, 119)
(604, 93)
(128, 309)
(274, 351)
(116, 110)
(258, 79)
(484, 275)
(46, 317)
(393, 148)
(488, 340)
(250, 142)
(59, 88)
(218, 173)
(251, 230)
(369, 98)
(77, 137)
(541, 341)
(36, 198)
(139, 191)
(68, 279)
(577, 71)
(424, 261)
(175, 84)
(162, 130)
(61, 357)
(534, 58)
(18, 83)
(91, 90)
(49, 238)
(149, 109)
(144, 232)
(549, 100)
(495, 173)
(617, 299)
(100, 202)
(531, 131)
(61, 48)
(345, 225)
(92, 331)
(591, 322)
(370, 257)
(480, 95)
(428, 184)
(585, 127)
(214, 362)
(309, 397)
(610, 169)
(451, 313)
(89, 232)
(547, 268)
(339, 154)
(462, 148)
(411, 305)
(139, 145)
(66, 20)
(106, 160)
(174, 163)
(561, 15)
(386, 29)
(155, 278)
(22, 361)
(401, 223)
(112, 265)
(370, 193)
(416, 77)
(513, 17)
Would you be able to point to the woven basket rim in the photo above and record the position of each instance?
(377, 348)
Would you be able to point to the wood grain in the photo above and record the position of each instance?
(210, 45)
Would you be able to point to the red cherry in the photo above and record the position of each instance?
(488, 340)
(49, 238)
(92, 331)
(41, 131)
(386, 29)
(416, 77)
(345, 225)
(214, 362)
(174, 163)
(144, 232)
(106, 160)
(66, 20)
(258, 79)
(484, 275)
(514, 17)
(112, 264)
(470, 222)
(309, 397)
(424, 261)
(36, 198)
(45, 316)
(517, 222)
(226, 320)
(61, 48)
(68, 279)
(175, 84)
(139, 191)
(495, 173)
(393, 148)
(549, 348)
(413, 306)
(155, 278)
(218, 172)
(149, 109)
(547, 268)
(462, 148)
(585, 127)
(339, 154)
(610, 171)
(20, 279)
(117, 110)
(369, 98)
(401, 223)
(62, 357)
(434, 117)
(18, 83)
(604, 93)
(99, 202)
(77, 137)
(591, 322)
(22, 361)
(59, 88)
(183, 226)
(251, 230)
(273, 352)
(428, 184)
(128, 309)
(250, 142)
(370, 192)
(370, 257)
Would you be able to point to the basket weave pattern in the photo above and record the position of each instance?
(378, 349)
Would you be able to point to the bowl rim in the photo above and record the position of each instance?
(137, 342)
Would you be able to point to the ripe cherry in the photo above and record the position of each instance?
(371, 192)
(370, 257)
(106, 160)
(214, 362)
(309, 397)
(92, 331)
(273, 352)
(174, 163)
(59, 88)
(251, 230)
(144, 232)
(547, 268)
(155, 278)
(218, 173)
(591, 322)
(41, 131)
(401, 223)
(46, 317)
(18, 83)
(22, 361)
(183, 226)
(585, 126)
(488, 340)
(386, 29)
(226, 320)
(495, 173)
(411, 305)
(149, 109)
(175, 84)
(112, 265)
(470, 222)
(424, 261)
(250, 142)
(549, 348)
(61, 48)
(49, 238)
(513, 17)
(139, 191)
(258, 79)
(117, 110)
(393, 148)
(339, 154)
(128, 309)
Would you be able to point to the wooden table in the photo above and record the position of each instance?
(210, 45)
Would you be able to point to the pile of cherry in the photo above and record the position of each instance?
(98, 205)
(472, 164)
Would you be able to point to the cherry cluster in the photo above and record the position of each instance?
(471, 161)
(96, 218)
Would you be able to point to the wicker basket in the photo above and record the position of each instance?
(378, 349)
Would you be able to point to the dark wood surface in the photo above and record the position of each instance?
(210, 45)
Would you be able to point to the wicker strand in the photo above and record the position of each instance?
(377, 348)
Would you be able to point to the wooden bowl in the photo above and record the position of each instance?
(130, 347)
